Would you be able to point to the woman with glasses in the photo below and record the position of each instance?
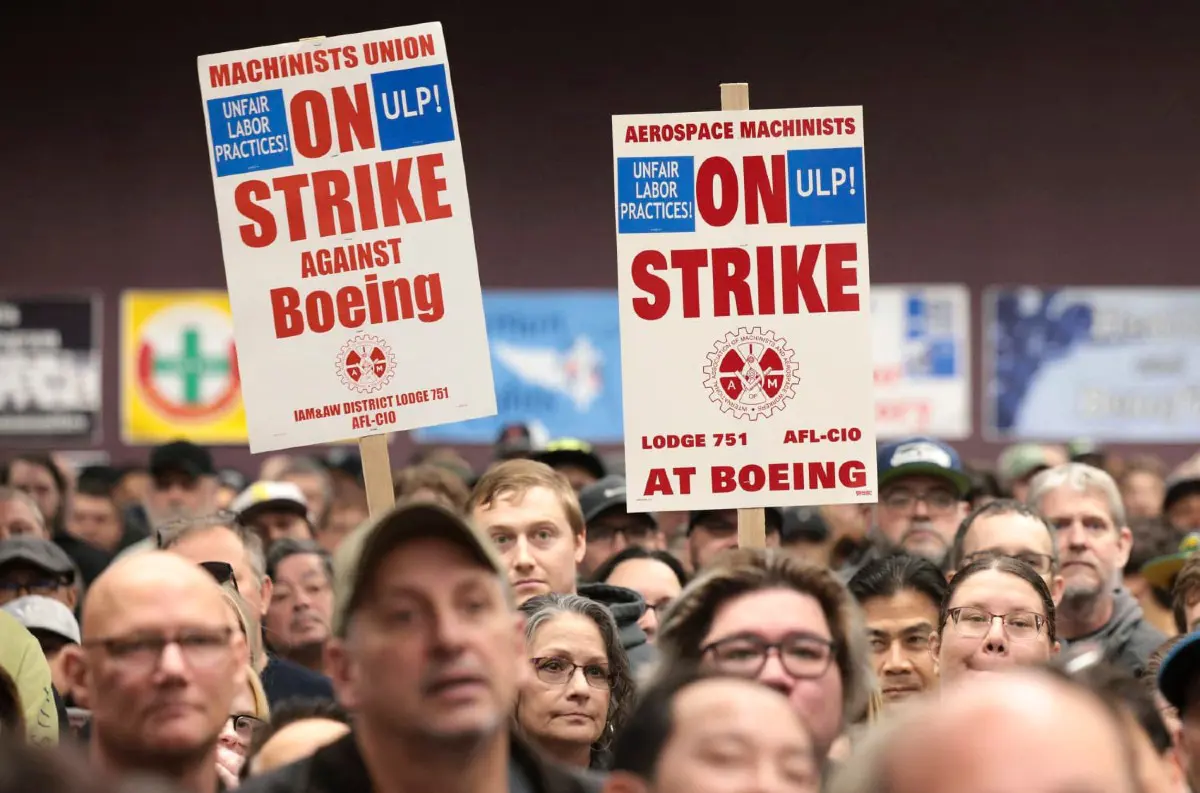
(655, 575)
(248, 714)
(767, 616)
(997, 613)
(581, 690)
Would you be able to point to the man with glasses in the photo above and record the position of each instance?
(1008, 528)
(611, 528)
(922, 497)
(33, 566)
(159, 663)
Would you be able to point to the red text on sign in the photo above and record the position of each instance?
(744, 284)
(374, 303)
(314, 118)
(363, 200)
(773, 477)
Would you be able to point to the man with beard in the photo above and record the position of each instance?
(1084, 506)
(922, 497)
(160, 663)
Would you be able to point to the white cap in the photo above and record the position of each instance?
(40, 613)
(282, 496)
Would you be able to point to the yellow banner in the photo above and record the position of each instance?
(179, 374)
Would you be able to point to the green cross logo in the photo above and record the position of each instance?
(192, 366)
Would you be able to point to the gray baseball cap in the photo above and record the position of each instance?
(36, 552)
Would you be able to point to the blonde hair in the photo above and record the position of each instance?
(262, 708)
(247, 624)
(515, 478)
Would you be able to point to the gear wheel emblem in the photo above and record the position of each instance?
(365, 364)
(751, 373)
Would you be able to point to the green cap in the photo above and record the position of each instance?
(1160, 571)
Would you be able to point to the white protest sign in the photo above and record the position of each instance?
(745, 309)
(346, 233)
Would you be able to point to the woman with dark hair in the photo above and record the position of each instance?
(997, 613)
(901, 596)
(581, 691)
(655, 575)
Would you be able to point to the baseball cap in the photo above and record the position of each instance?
(803, 524)
(772, 515)
(520, 439)
(359, 554)
(1161, 570)
(269, 497)
(1177, 669)
(38, 553)
(922, 456)
(1180, 486)
(572, 451)
(232, 478)
(605, 494)
(182, 456)
(1021, 460)
(40, 613)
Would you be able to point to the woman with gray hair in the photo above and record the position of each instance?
(581, 691)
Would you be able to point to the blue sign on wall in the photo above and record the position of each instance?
(556, 359)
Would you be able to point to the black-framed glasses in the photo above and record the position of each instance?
(45, 586)
(634, 531)
(659, 607)
(936, 501)
(200, 647)
(1042, 563)
(973, 623)
(222, 572)
(245, 725)
(803, 655)
(557, 671)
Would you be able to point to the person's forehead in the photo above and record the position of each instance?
(570, 631)
(640, 572)
(1008, 531)
(157, 603)
(534, 504)
(15, 509)
(772, 613)
(1063, 502)
(428, 565)
(30, 473)
(298, 565)
(905, 607)
(730, 706)
(994, 585)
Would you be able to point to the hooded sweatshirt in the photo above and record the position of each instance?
(1127, 638)
(627, 608)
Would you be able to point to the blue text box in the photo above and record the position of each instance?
(656, 195)
(826, 187)
(412, 107)
(249, 133)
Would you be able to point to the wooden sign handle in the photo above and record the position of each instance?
(752, 523)
(377, 474)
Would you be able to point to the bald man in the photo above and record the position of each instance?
(160, 662)
(1025, 731)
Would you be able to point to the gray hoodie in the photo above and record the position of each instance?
(1127, 638)
(627, 608)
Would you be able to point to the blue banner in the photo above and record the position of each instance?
(556, 360)
(1103, 363)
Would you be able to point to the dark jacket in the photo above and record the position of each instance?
(1127, 638)
(283, 680)
(339, 768)
(627, 608)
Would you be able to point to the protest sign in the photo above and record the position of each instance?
(50, 370)
(556, 357)
(346, 234)
(922, 351)
(745, 308)
(179, 369)
(1109, 364)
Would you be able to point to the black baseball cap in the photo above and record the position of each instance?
(803, 524)
(183, 456)
(773, 517)
(572, 451)
(605, 494)
(1178, 669)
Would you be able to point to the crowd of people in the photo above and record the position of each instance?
(1023, 626)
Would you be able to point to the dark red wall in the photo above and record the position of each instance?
(1031, 142)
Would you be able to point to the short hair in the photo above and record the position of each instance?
(1187, 585)
(1003, 506)
(303, 465)
(1082, 478)
(1149, 673)
(984, 484)
(170, 533)
(543, 608)
(95, 488)
(637, 749)
(287, 546)
(38, 460)
(605, 570)
(1142, 464)
(743, 571)
(1001, 564)
(8, 493)
(438, 478)
(898, 572)
(514, 478)
(1117, 685)
(289, 712)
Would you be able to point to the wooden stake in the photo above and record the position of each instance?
(377, 473)
(752, 523)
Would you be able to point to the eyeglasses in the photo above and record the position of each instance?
(38, 586)
(803, 655)
(1042, 564)
(245, 725)
(659, 607)
(936, 501)
(199, 647)
(634, 531)
(557, 671)
(222, 572)
(973, 623)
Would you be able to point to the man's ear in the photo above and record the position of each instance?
(268, 588)
(1124, 546)
(935, 649)
(75, 668)
(341, 672)
(580, 545)
(1058, 585)
(1056, 648)
(624, 782)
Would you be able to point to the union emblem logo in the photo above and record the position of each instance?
(365, 364)
(751, 373)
